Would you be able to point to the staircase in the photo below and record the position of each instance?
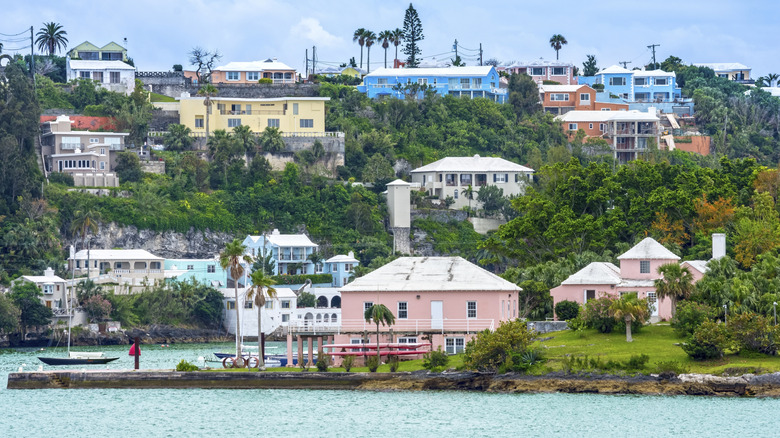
(58, 382)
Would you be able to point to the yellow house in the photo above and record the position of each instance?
(304, 115)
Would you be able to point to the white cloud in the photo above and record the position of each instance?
(311, 29)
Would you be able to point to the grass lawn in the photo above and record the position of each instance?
(656, 341)
(161, 98)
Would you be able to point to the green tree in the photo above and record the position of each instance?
(379, 313)
(398, 37)
(413, 34)
(492, 199)
(261, 285)
(360, 37)
(247, 142)
(33, 313)
(51, 38)
(386, 37)
(178, 138)
(377, 169)
(556, 42)
(128, 167)
(589, 67)
(369, 39)
(306, 299)
(231, 259)
(9, 315)
(207, 91)
(87, 289)
(491, 350)
(86, 221)
(271, 140)
(628, 308)
(523, 95)
(676, 284)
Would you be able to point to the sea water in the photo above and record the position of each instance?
(292, 413)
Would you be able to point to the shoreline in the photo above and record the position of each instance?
(766, 385)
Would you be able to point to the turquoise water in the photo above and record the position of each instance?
(196, 412)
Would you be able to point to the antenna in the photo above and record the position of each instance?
(625, 63)
(653, 46)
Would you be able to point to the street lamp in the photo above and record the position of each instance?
(725, 314)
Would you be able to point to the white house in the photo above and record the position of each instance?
(451, 176)
(285, 249)
(113, 75)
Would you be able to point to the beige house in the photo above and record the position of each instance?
(452, 176)
(54, 291)
(125, 267)
(733, 71)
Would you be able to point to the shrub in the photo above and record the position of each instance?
(265, 81)
(489, 351)
(708, 341)
(567, 310)
(300, 279)
(347, 362)
(596, 314)
(435, 360)
(323, 361)
(372, 363)
(689, 315)
(61, 178)
(522, 362)
(584, 363)
(754, 333)
(186, 366)
(672, 366)
(394, 363)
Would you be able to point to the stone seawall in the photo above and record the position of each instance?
(687, 384)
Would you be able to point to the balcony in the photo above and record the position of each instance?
(71, 146)
(252, 113)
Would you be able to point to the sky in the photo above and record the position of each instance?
(160, 33)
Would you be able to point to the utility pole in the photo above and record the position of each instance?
(307, 63)
(480, 53)
(313, 59)
(455, 48)
(653, 46)
(32, 57)
(625, 63)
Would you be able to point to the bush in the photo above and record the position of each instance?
(435, 360)
(372, 362)
(584, 363)
(567, 310)
(708, 341)
(596, 315)
(754, 333)
(265, 81)
(65, 179)
(394, 363)
(689, 315)
(522, 362)
(489, 351)
(323, 361)
(672, 366)
(347, 362)
(300, 279)
(186, 366)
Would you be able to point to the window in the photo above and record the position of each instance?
(403, 310)
(661, 81)
(247, 304)
(408, 340)
(307, 123)
(269, 304)
(295, 109)
(617, 81)
(559, 71)
(113, 77)
(471, 309)
(84, 75)
(381, 81)
(422, 81)
(285, 304)
(450, 179)
(452, 83)
(190, 267)
(476, 83)
(97, 76)
(231, 305)
(640, 81)
(102, 165)
(273, 123)
(465, 179)
(252, 76)
(285, 317)
(102, 151)
(584, 97)
(235, 109)
(559, 97)
(232, 123)
(211, 269)
(590, 295)
(606, 109)
(48, 289)
(644, 266)
(233, 75)
(456, 194)
(602, 127)
(500, 177)
(367, 305)
(464, 83)
(454, 345)
(537, 71)
(572, 126)
(94, 140)
(198, 121)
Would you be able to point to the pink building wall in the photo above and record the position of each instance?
(629, 268)
(576, 293)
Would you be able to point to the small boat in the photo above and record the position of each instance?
(78, 358)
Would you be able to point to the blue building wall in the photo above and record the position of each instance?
(487, 86)
(650, 91)
(202, 270)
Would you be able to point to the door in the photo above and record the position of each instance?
(653, 301)
(437, 315)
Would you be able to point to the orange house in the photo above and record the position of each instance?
(560, 99)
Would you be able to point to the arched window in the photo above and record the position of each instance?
(322, 301)
(334, 318)
(319, 318)
(335, 302)
(325, 318)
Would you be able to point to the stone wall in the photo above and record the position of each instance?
(547, 326)
(174, 86)
(401, 242)
(157, 167)
(95, 180)
(443, 216)
(161, 119)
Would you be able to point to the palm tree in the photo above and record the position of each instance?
(398, 37)
(676, 283)
(231, 258)
(208, 91)
(380, 314)
(51, 38)
(386, 36)
(246, 139)
(772, 78)
(271, 140)
(556, 42)
(360, 37)
(261, 285)
(629, 308)
(315, 258)
(469, 194)
(370, 39)
(85, 220)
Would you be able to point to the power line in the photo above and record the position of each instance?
(14, 34)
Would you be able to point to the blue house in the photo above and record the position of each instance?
(206, 271)
(290, 251)
(341, 268)
(477, 81)
(636, 85)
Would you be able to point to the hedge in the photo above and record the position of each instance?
(300, 279)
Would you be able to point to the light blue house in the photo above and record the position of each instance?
(654, 86)
(341, 268)
(290, 251)
(206, 271)
(476, 81)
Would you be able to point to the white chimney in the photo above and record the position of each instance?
(718, 245)
(49, 272)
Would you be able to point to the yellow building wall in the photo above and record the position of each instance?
(257, 117)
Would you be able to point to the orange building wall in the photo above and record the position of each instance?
(86, 123)
(699, 144)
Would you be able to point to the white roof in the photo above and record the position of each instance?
(430, 274)
(658, 73)
(595, 273)
(342, 259)
(443, 71)
(99, 65)
(699, 265)
(268, 64)
(636, 283)
(541, 62)
(257, 99)
(285, 240)
(614, 69)
(648, 248)
(399, 182)
(606, 116)
(560, 88)
(43, 279)
(472, 164)
(117, 254)
(722, 66)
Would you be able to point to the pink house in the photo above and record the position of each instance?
(637, 273)
(441, 300)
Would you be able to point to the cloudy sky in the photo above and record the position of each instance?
(160, 32)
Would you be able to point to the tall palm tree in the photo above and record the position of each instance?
(370, 39)
(208, 91)
(386, 36)
(379, 313)
(51, 38)
(398, 37)
(271, 140)
(468, 192)
(230, 258)
(676, 283)
(360, 37)
(85, 220)
(246, 140)
(261, 285)
(556, 42)
(772, 78)
(628, 308)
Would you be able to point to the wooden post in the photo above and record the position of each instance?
(137, 352)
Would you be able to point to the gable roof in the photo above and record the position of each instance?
(606, 116)
(443, 71)
(116, 254)
(614, 69)
(699, 265)
(560, 88)
(722, 66)
(267, 64)
(77, 64)
(655, 73)
(342, 258)
(595, 273)
(430, 274)
(278, 239)
(472, 164)
(648, 249)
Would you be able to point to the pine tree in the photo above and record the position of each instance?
(413, 33)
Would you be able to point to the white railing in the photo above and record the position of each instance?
(470, 325)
